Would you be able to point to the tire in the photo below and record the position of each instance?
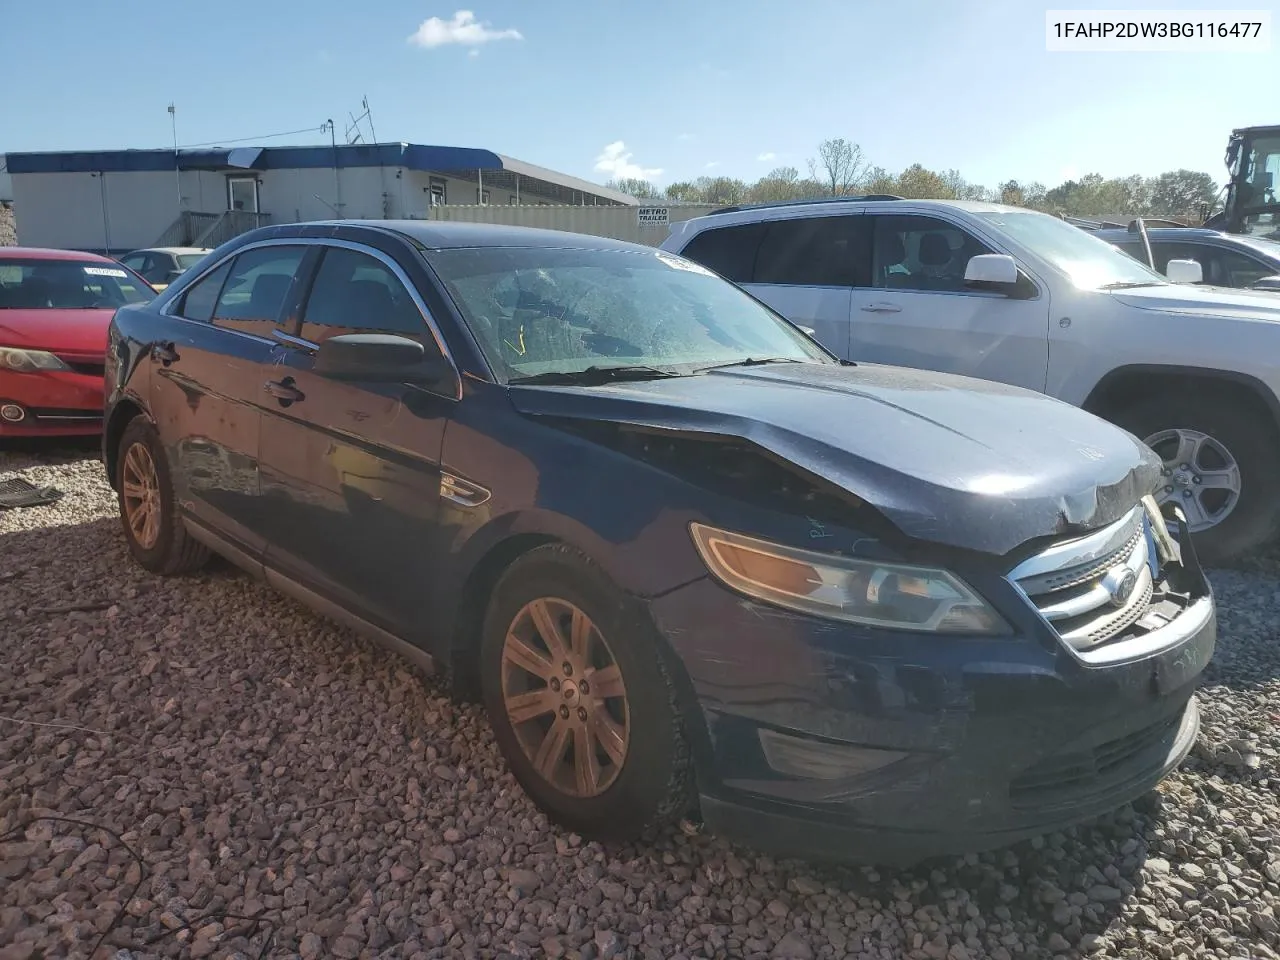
(653, 783)
(1247, 438)
(167, 549)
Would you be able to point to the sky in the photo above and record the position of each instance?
(663, 90)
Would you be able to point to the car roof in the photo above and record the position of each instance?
(820, 206)
(48, 253)
(1164, 233)
(446, 235)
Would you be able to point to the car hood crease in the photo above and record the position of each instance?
(956, 461)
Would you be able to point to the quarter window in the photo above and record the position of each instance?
(198, 302)
(729, 251)
(921, 253)
(356, 293)
(257, 289)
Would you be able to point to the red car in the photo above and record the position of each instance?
(55, 306)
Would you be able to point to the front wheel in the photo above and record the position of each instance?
(581, 699)
(1221, 466)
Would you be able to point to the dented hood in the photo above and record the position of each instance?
(968, 463)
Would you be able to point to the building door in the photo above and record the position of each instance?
(242, 194)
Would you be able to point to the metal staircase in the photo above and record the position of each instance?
(195, 229)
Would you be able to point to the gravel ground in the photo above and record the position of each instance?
(239, 757)
(8, 227)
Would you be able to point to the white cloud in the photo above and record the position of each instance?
(712, 164)
(766, 157)
(464, 29)
(615, 160)
(685, 136)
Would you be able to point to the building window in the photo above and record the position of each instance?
(482, 198)
(439, 196)
(511, 200)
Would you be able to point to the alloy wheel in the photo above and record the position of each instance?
(140, 490)
(565, 697)
(1200, 475)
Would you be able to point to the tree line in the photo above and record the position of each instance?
(840, 169)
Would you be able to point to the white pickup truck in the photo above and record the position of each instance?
(1017, 296)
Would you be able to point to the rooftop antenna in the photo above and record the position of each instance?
(354, 133)
(177, 173)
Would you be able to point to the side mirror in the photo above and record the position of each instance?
(378, 358)
(1184, 271)
(991, 269)
(1267, 283)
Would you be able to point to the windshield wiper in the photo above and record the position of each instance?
(1129, 285)
(595, 375)
(748, 362)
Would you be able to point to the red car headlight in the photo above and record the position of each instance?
(29, 361)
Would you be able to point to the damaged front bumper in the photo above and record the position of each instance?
(831, 742)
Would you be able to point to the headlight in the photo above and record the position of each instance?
(29, 361)
(894, 595)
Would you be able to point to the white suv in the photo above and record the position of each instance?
(1021, 297)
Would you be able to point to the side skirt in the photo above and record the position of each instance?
(309, 598)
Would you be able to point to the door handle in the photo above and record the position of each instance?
(164, 353)
(284, 390)
(882, 308)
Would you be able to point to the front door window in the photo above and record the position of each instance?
(242, 194)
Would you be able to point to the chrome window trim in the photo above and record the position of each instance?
(167, 309)
(294, 341)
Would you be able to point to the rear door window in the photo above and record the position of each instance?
(813, 252)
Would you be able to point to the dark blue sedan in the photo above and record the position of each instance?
(693, 565)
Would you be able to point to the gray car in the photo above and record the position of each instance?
(1227, 260)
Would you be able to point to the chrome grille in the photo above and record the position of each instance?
(1092, 589)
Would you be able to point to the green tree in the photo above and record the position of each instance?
(684, 192)
(780, 184)
(1182, 193)
(640, 189)
(962, 189)
(1011, 192)
(918, 183)
(879, 180)
(721, 190)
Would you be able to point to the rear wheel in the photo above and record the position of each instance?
(1221, 466)
(581, 699)
(156, 535)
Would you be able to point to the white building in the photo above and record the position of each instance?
(120, 200)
